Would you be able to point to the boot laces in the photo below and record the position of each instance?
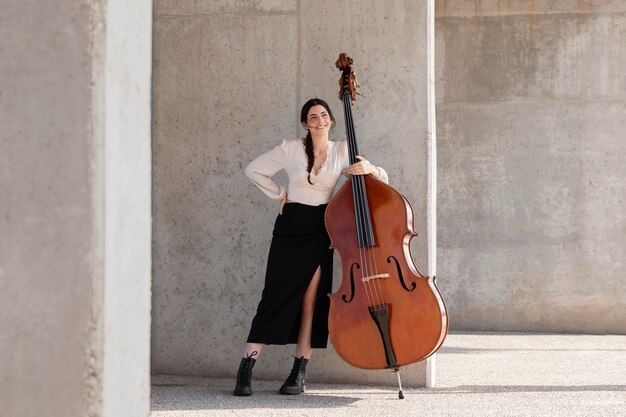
(246, 365)
(297, 368)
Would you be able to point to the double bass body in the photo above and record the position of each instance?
(417, 321)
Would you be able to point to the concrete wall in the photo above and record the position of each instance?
(229, 82)
(531, 115)
(74, 209)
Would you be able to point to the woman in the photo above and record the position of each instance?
(294, 304)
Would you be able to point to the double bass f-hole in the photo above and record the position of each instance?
(400, 277)
(343, 297)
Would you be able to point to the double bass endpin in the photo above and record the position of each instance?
(400, 392)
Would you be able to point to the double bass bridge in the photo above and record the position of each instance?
(377, 276)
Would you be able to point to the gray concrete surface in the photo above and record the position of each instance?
(229, 81)
(46, 213)
(531, 115)
(480, 374)
(74, 208)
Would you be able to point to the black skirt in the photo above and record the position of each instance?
(300, 244)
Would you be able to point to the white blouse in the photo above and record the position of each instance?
(290, 156)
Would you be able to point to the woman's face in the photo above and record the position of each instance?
(318, 121)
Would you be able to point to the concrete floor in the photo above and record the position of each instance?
(478, 374)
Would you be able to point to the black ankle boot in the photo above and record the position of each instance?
(244, 376)
(294, 384)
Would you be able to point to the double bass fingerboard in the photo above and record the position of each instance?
(365, 232)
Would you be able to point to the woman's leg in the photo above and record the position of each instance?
(295, 384)
(253, 347)
(303, 348)
(243, 386)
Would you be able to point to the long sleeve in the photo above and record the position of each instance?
(383, 175)
(261, 170)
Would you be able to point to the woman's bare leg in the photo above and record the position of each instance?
(253, 347)
(303, 348)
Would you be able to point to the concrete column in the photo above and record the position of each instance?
(229, 82)
(127, 208)
(75, 208)
(431, 152)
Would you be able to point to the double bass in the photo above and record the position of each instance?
(385, 313)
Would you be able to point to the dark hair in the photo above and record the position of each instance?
(308, 140)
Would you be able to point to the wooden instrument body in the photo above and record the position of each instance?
(417, 322)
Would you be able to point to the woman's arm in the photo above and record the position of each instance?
(262, 169)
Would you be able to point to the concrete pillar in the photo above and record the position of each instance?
(127, 208)
(229, 82)
(75, 208)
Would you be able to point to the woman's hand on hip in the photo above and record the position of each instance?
(282, 204)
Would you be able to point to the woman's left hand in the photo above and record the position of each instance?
(363, 167)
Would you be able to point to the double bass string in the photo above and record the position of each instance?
(356, 195)
(355, 191)
(363, 219)
(372, 288)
